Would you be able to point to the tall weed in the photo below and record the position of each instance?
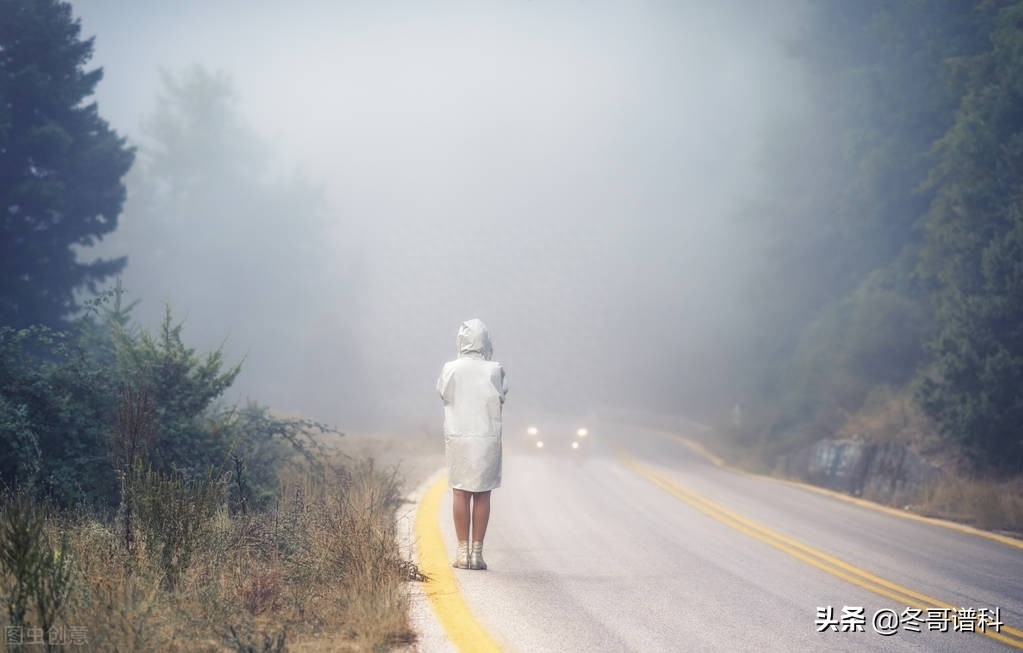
(36, 566)
(317, 570)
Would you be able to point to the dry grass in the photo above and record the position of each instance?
(886, 416)
(321, 571)
(986, 504)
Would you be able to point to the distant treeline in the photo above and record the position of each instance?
(890, 246)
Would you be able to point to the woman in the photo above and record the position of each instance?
(473, 388)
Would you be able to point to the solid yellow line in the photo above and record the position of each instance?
(441, 588)
(834, 566)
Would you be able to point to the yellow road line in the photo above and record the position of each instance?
(441, 589)
(830, 564)
(961, 528)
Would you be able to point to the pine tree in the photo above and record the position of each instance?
(61, 166)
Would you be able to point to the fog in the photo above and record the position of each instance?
(569, 172)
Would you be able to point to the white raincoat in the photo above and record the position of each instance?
(473, 388)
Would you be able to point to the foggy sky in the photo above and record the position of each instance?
(566, 171)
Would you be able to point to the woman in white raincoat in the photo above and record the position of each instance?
(473, 388)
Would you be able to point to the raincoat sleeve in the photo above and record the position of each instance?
(445, 384)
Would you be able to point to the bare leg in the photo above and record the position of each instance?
(460, 512)
(480, 514)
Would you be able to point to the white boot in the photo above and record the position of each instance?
(476, 556)
(462, 555)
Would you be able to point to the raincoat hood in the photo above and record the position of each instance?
(474, 339)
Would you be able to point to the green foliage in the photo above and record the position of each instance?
(62, 401)
(60, 164)
(20, 442)
(974, 256)
(917, 123)
(86, 403)
(55, 406)
(877, 71)
(846, 197)
(79, 410)
(190, 432)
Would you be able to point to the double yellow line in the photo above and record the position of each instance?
(850, 573)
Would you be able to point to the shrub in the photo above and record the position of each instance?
(174, 516)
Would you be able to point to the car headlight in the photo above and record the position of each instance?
(582, 432)
(532, 430)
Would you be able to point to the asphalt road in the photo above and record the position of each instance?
(643, 545)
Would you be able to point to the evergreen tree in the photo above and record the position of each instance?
(839, 306)
(61, 166)
(974, 255)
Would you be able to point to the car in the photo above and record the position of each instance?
(558, 439)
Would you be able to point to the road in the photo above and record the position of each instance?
(644, 545)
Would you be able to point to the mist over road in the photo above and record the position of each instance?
(645, 546)
(552, 169)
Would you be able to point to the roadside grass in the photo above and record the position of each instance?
(318, 571)
(983, 503)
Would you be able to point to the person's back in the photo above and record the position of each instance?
(473, 394)
(473, 389)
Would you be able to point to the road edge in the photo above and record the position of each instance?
(438, 614)
(430, 634)
(700, 450)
